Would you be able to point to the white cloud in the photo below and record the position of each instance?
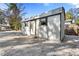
(76, 5)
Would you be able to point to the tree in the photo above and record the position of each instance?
(15, 15)
(77, 21)
(74, 12)
(69, 15)
(2, 17)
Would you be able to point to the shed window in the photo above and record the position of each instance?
(26, 24)
(43, 22)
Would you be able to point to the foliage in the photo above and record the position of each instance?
(74, 12)
(2, 17)
(15, 24)
(77, 21)
(14, 16)
(69, 15)
(70, 32)
(71, 29)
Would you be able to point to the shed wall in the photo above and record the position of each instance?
(43, 30)
(54, 30)
(37, 27)
(54, 27)
(32, 27)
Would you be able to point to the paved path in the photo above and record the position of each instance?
(13, 43)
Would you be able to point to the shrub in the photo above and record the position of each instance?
(77, 21)
(71, 29)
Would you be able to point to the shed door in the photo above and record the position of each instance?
(54, 27)
(43, 28)
(32, 27)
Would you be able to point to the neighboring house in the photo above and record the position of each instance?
(4, 25)
(48, 25)
(4, 22)
(68, 21)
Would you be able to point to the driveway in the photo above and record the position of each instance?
(13, 43)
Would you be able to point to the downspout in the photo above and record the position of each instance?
(35, 29)
(30, 27)
(47, 28)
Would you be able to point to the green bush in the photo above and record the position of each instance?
(15, 24)
(77, 21)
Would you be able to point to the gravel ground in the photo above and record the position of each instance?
(15, 44)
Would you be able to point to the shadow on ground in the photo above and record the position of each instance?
(5, 34)
(39, 48)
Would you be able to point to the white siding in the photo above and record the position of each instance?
(43, 31)
(32, 27)
(37, 27)
(28, 28)
(54, 27)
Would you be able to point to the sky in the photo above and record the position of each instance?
(32, 9)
